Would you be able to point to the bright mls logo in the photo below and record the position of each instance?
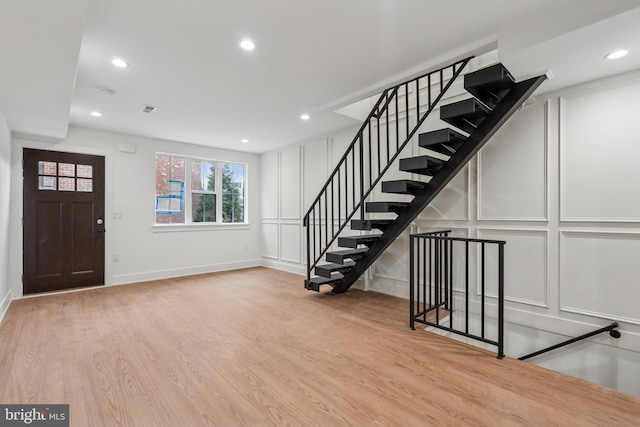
(34, 415)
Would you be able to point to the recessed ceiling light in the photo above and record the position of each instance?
(617, 54)
(96, 114)
(245, 141)
(120, 63)
(247, 44)
(304, 117)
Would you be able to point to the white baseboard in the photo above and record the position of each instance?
(284, 266)
(4, 305)
(179, 272)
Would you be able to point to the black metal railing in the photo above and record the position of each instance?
(609, 328)
(442, 282)
(379, 141)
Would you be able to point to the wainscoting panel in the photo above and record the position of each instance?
(290, 249)
(290, 183)
(270, 240)
(512, 169)
(525, 268)
(453, 201)
(315, 170)
(269, 172)
(599, 274)
(600, 153)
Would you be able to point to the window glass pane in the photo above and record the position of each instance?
(170, 174)
(84, 171)
(66, 184)
(203, 207)
(66, 169)
(85, 185)
(232, 192)
(203, 176)
(47, 183)
(47, 168)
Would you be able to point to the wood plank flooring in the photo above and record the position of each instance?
(253, 348)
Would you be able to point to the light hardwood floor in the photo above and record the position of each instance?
(253, 348)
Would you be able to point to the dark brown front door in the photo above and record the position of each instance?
(63, 221)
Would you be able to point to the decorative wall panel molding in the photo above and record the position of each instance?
(315, 170)
(269, 172)
(290, 249)
(599, 154)
(452, 203)
(290, 188)
(512, 174)
(270, 240)
(526, 265)
(599, 274)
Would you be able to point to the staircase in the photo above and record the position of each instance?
(496, 97)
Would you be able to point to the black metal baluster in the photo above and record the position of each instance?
(353, 176)
(370, 154)
(429, 89)
(397, 121)
(320, 224)
(378, 144)
(386, 113)
(326, 218)
(451, 283)
(339, 200)
(406, 107)
(412, 261)
(466, 288)
(437, 284)
(417, 99)
(482, 291)
(361, 177)
(500, 300)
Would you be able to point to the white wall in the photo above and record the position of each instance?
(559, 183)
(147, 252)
(5, 184)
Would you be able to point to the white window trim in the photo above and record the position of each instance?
(188, 214)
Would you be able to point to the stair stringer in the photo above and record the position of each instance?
(511, 102)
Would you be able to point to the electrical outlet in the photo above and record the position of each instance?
(117, 215)
(246, 247)
(116, 258)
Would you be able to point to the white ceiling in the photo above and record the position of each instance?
(311, 56)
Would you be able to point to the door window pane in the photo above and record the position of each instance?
(47, 168)
(84, 185)
(47, 183)
(66, 169)
(66, 184)
(84, 171)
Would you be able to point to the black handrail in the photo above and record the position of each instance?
(369, 156)
(610, 329)
(432, 281)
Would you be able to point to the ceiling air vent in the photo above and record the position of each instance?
(148, 109)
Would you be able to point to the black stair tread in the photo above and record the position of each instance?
(340, 256)
(423, 165)
(394, 207)
(354, 241)
(465, 115)
(444, 141)
(402, 186)
(440, 136)
(315, 282)
(489, 84)
(327, 270)
(370, 224)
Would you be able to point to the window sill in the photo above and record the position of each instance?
(173, 228)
